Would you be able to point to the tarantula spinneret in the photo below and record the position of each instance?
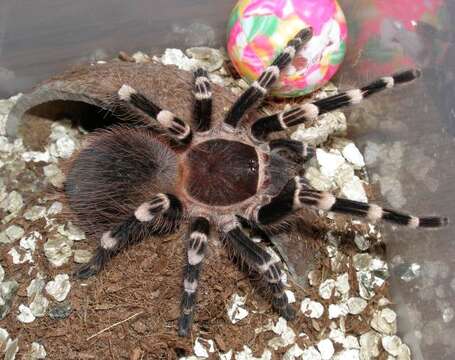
(226, 178)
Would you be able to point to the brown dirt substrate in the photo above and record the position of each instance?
(145, 280)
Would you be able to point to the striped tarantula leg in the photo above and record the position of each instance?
(326, 201)
(202, 112)
(298, 193)
(95, 264)
(256, 234)
(197, 244)
(302, 151)
(278, 207)
(260, 260)
(160, 205)
(175, 127)
(110, 244)
(156, 216)
(259, 88)
(262, 127)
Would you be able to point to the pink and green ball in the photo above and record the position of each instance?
(258, 31)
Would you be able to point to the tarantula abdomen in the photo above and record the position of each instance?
(113, 174)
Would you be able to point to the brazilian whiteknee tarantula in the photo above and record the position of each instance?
(226, 178)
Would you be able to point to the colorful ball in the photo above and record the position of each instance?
(259, 29)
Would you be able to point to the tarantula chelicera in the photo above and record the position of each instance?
(225, 177)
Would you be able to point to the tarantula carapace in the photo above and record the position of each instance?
(226, 178)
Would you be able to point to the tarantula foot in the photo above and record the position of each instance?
(88, 270)
(94, 266)
(287, 312)
(185, 324)
(281, 305)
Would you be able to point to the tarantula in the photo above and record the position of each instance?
(222, 177)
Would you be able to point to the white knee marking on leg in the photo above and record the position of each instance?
(202, 91)
(203, 95)
(270, 271)
(298, 187)
(305, 150)
(375, 212)
(195, 252)
(125, 92)
(265, 267)
(186, 132)
(190, 287)
(165, 202)
(292, 114)
(388, 81)
(275, 70)
(414, 222)
(142, 213)
(199, 237)
(355, 96)
(281, 119)
(302, 113)
(311, 111)
(201, 80)
(165, 118)
(274, 278)
(256, 239)
(193, 257)
(290, 50)
(256, 85)
(267, 78)
(108, 241)
(300, 182)
(326, 201)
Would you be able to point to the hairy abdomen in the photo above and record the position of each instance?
(114, 173)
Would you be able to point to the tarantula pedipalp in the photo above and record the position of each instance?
(224, 177)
